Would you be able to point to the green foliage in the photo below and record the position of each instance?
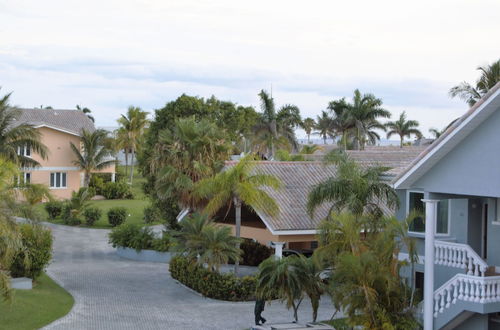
(212, 284)
(117, 190)
(152, 214)
(403, 127)
(136, 237)
(37, 248)
(35, 193)
(285, 156)
(97, 183)
(54, 209)
(254, 253)
(91, 215)
(117, 216)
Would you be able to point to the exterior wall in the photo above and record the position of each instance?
(264, 236)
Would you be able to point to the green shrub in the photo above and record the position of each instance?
(37, 242)
(97, 183)
(53, 209)
(117, 190)
(136, 237)
(117, 216)
(254, 253)
(151, 214)
(212, 284)
(92, 215)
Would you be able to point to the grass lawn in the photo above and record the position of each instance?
(338, 324)
(33, 309)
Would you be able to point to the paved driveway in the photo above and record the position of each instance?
(115, 293)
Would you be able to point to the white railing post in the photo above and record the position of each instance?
(430, 225)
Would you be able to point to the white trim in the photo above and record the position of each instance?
(411, 171)
(421, 234)
(53, 168)
(57, 129)
(402, 256)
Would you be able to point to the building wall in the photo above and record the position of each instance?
(264, 236)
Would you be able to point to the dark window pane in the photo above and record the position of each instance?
(442, 217)
(52, 179)
(416, 204)
(27, 177)
(58, 180)
(63, 179)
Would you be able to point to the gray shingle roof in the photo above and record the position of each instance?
(73, 121)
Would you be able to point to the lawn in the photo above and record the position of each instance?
(338, 324)
(33, 309)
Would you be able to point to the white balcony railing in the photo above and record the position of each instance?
(464, 287)
(459, 256)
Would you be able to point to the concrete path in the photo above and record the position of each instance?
(115, 293)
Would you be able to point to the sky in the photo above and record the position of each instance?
(107, 55)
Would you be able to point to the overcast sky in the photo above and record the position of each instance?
(107, 55)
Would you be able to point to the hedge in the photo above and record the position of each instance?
(212, 284)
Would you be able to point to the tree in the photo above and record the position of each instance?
(275, 129)
(132, 127)
(403, 127)
(15, 137)
(35, 193)
(308, 125)
(86, 111)
(490, 76)
(237, 185)
(94, 155)
(312, 284)
(341, 121)
(310, 149)
(354, 189)
(325, 126)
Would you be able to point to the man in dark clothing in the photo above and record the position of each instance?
(259, 308)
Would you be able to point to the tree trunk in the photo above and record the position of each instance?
(401, 144)
(308, 138)
(132, 166)
(324, 139)
(86, 179)
(315, 306)
(237, 207)
(126, 161)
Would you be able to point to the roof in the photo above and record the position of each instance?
(69, 121)
(460, 129)
(298, 178)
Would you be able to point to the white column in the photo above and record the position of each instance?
(113, 177)
(430, 225)
(278, 249)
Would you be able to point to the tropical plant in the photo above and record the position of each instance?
(237, 185)
(490, 76)
(133, 125)
(325, 126)
(308, 124)
(93, 155)
(355, 188)
(339, 109)
(53, 209)
(16, 136)
(310, 149)
(86, 111)
(403, 128)
(275, 129)
(92, 215)
(436, 133)
(117, 215)
(35, 193)
(285, 156)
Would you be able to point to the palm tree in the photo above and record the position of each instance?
(94, 155)
(490, 76)
(237, 185)
(133, 125)
(310, 149)
(86, 111)
(355, 189)
(341, 121)
(312, 284)
(403, 127)
(35, 193)
(276, 129)
(325, 126)
(281, 278)
(363, 115)
(308, 125)
(122, 140)
(15, 137)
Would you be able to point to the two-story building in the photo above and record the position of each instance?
(57, 128)
(456, 182)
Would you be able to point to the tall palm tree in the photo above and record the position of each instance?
(123, 143)
(94, 155)
(312, 284)
(15, 137)
(276, 128)
(237, 185)
(308, 124)
(490, 76)
(363, 114)
(310, 149)
(403, 127)
(86, 111)
(354, 189)
(341, 121)
(133, 124)
(325, 126)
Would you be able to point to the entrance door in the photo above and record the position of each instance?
(484, 232)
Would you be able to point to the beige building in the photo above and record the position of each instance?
(58, 128)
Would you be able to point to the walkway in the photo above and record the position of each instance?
(115, 293)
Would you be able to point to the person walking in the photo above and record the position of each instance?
(259, 308)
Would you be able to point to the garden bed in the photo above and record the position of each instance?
(144, 255)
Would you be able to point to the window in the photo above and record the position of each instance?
(418, 225)
(419, 281)
(58, 180)
(24, 151)
(26, 177)
(23, 178)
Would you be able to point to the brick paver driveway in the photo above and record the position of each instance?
(114, 293)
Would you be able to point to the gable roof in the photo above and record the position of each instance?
(457, 132)
(69, 121)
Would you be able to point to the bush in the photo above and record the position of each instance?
(135, 237)
(37, 242)
(254, 253)
(151, 214)
(97, 183)
(117, 190)
(212, 284)
(117, 216)
(54, 209)
(92, 214)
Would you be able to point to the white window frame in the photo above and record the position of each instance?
(25, 175)
(422, 234)
(21, 151)
(60, 180)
